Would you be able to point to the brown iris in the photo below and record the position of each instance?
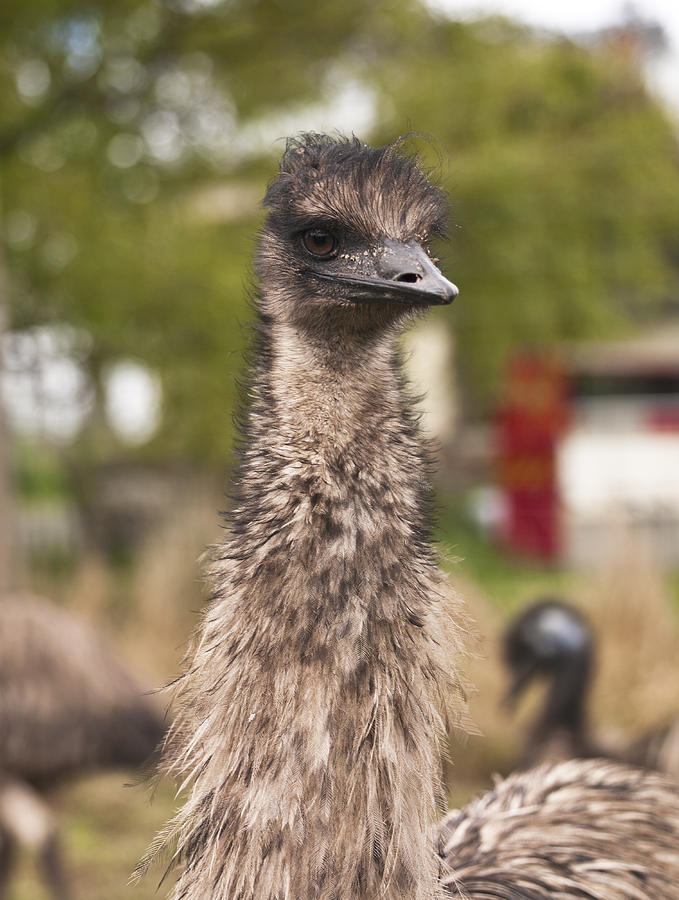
(319, 242)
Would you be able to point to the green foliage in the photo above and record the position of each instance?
(115, 117)
(39, 475)
(564, 182)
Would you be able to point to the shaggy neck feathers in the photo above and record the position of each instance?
(310, 728)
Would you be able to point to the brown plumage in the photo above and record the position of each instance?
(67, 705)
(590, 829)
(553, 640)
(313, 702)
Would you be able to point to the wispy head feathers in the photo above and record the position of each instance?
(372, 191)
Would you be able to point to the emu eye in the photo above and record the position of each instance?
(319, 242)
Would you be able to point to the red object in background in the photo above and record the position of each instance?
(533, 415)
(663, 420)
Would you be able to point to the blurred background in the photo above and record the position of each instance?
(136, 141)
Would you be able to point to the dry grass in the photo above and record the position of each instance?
(631, 608)
(108, 827)
(166, 588)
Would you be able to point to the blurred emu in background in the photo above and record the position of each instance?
(552, 640)
(67, 705)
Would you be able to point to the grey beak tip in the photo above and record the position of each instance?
(450, 293)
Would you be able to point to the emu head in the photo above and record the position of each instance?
(549, 637)
(346, 242)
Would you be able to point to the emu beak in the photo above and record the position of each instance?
(408, 270)
(400, 272)
(522, 675)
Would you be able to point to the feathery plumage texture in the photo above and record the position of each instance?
(314, 699)
(577, 830)
(311, 711)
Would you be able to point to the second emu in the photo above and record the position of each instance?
(316, 695)
(552, 640)
(68, 705)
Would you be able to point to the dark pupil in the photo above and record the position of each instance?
(319, 242)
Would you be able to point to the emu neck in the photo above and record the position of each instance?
(564, 713)
(336, 394)
(319, 674)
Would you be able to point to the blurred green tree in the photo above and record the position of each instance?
(135, 137)
(116, 121)
(563, 177)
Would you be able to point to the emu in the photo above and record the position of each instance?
(316, 696)
(553, 640)
(67, 705)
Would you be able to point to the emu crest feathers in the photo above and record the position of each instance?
(360, 187)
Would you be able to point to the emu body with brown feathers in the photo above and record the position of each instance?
(552, 640)
(67, 705)
(313, 704)
(587, 829)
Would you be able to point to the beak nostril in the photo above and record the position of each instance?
(409, 277)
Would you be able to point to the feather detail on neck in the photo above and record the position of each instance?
(313, 705)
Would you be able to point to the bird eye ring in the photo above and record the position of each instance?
(319, 242)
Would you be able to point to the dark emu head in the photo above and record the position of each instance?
(346, 242)
(550, 639)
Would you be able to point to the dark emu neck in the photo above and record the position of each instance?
(313, 707)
